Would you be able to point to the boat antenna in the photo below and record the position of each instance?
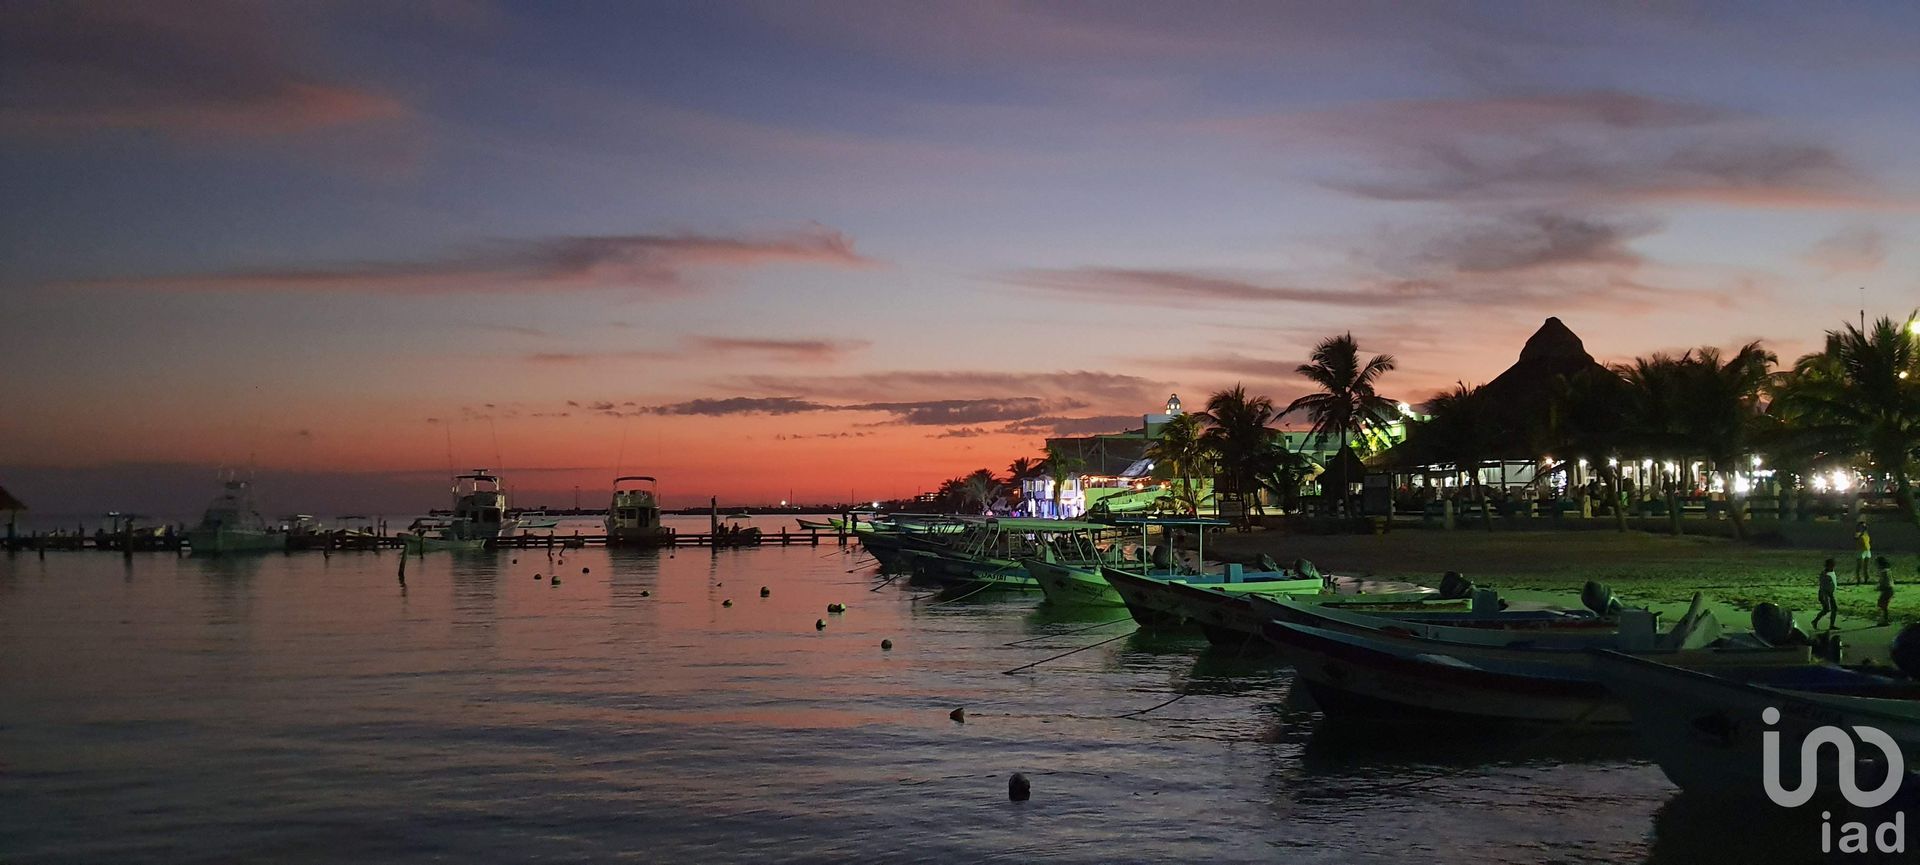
(499, 464)
(620, 459)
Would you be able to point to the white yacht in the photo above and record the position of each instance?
(231, 524)
(634, 517)
(479, 507)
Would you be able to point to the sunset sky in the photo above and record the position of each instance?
(822, 248)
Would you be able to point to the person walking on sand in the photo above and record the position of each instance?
(1886, 589)
(1828, 608)
(1865, 542)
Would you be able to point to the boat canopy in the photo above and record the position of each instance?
(1200, 522)
(647, 478)
(1030, 524)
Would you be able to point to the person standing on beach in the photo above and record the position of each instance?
(1886, 589)
(1865, 542)
(1828, 608)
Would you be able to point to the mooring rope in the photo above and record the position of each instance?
(1064, 654)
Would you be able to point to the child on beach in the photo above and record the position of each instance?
(1828, 608)
(1886, 588)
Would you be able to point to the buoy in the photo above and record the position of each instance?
(959, 715)
(764, 592)
(584, 571)
(555, 581)
(1018, 790)
(516, 561)
(836, 608)
(645, 594)
(819, 624)
(727, 603)
(886, 645)
(536, 576)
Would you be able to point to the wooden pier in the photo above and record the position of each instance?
(120, 543)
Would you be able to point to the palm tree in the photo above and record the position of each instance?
(1860, 396)
(1023, 468)
(981, 488)
(1238, 433)
(1587, 421)
(1280, 471)
(952, 495)
(1346, 404)
(1462, 429)
(1721, 410)
(1183, 451)
(1654, 405)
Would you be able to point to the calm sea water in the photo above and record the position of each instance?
(306, 708)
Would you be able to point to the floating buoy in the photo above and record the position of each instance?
(516, 561)
(959, 715)
(727, 603)
(536, 576)
(584, 571)
(836, 608)
(819, 624)
(645, 594)
(555, 582)
(886, 645)
(764, 591)
(1018, 790)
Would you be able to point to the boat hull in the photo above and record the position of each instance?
(423, 544)
(1074, 587)
(221, 542)
(1155, 605)
(1706, 731)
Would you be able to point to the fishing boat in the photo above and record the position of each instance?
(231, 524)
(1145, 590)
(1235, 618)
(535, 520)
(990, 554)
(1395, 675)
(633, 518)
(423, 542)
(479, 507)
(807, 525)
(1708, 731)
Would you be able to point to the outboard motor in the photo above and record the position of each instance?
(1305, 570)
(1597, 597)
(1905, 650)
(1267, 564)
(1774, 626)
(1453, 586)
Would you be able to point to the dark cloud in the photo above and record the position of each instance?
(206, 67)
(649, 264)
(775, 405)
(784, 349)
(1179, 287)
(1534, 239)
(966, 411)
(1593, 146)
(961, 433)
(933, 385)
(1069, 426)
(1854, 249)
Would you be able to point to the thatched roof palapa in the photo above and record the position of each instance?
(1520, 399)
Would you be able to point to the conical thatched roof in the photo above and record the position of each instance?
(1520, 399)
(9, 503)
(1552, 352)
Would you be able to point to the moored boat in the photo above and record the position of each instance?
(1386, 674)
(633, 517)
(231, 524)
(1708, 731)
(479, 507)
(423, 542)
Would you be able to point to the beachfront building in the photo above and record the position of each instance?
(1114, 469)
